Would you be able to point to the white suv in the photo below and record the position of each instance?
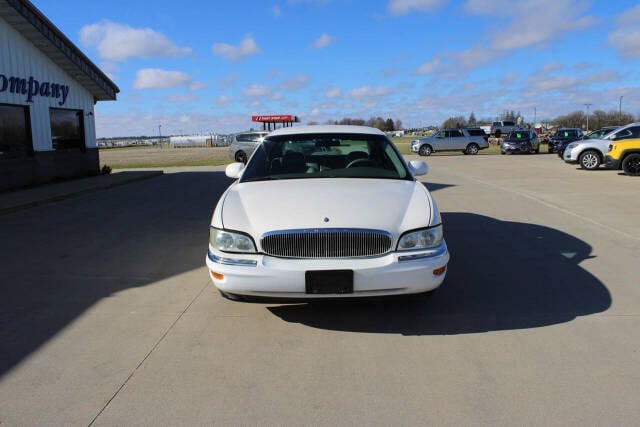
(589, 153)
(244, 144)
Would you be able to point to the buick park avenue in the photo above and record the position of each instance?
(326, 212)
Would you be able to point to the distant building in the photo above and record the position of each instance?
(48, 89)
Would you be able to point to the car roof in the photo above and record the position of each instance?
(314, 129)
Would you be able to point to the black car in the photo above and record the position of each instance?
(559, 141)
(520, 141)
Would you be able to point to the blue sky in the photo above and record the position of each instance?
(202, 66)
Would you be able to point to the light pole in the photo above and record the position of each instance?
(587, 105)
(620, 111)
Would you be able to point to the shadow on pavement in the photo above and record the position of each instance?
(60, 258)
(502, 275)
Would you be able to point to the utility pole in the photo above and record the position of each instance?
(160, 135)
(587, 105)
(620, 111)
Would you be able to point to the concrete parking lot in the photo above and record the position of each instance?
(108, 317)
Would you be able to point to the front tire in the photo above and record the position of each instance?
(472, 148)
(241, 157)
(589, 160)
(425, 150)
(631, 165)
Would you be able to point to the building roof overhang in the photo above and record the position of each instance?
(35, 27)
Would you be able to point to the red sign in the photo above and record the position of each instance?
(272, 119)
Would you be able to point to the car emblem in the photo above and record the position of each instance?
(326, 219)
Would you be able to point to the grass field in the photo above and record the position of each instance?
(154, 157)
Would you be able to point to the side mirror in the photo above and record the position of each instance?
(418, 167)
(234, 170)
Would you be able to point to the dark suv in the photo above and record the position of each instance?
(562, 137)
(520, 141)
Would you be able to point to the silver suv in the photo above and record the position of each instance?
(469, 141)
(244, 144)
(590, 153)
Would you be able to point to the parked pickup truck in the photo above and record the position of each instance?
(469, 141)
(503, 127)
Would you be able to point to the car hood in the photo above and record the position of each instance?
(601, 144)
(391, 205)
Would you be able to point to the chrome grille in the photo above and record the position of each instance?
(326, 243)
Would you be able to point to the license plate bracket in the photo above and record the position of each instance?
(329, 282)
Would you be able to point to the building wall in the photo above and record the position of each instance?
(20, 58)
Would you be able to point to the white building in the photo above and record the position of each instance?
(48, 89)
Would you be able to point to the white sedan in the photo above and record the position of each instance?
(326, 212)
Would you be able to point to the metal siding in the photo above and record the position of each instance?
(20, 58)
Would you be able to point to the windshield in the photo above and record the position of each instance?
(325, 156)
(598, 134)
(517, 137)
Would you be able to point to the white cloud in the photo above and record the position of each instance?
(559, 18)
(334, 92)
(228, 81)
(197, 85)
(257, 91)
(178, 98)
(246, 47)
(551, 66)
(323, 41)
(626, 37)
(368, 92)
(155, 78)
(117, 42)
(508, 79)
(428, 67)
(295, 83)
(223, 100)
(547, 83)
(403, 7)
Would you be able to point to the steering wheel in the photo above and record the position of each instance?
(360, 163)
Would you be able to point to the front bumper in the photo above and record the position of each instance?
(517, 149)
(571, 156)
(260, 275)
(611, 163)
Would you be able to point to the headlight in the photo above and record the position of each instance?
(421, 239)
(227, 241)
(571, 146)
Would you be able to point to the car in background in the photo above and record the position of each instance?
(520, 141)
(599, 133)
(562, 137)
(503, 127)
(244, 144)
(469, 141)
(590, 153)
(326, 212)
(624, 154)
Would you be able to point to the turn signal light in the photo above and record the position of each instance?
(217, 276)
(440, 270)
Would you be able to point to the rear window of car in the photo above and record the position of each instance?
(249, 137)
(476, 132)
(517, 136)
